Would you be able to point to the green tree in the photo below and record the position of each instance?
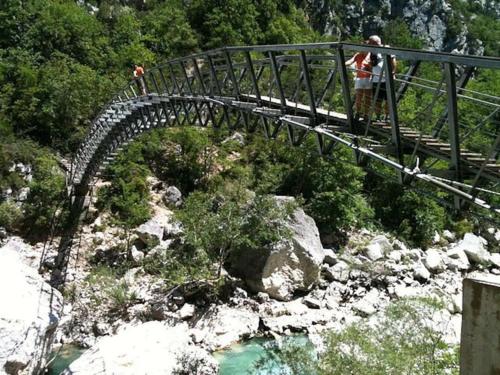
(51, 102)
(231, 220)
(217, 25)
(67, 28)
(402, 341)
(167, 31)
(128, 195)
(47, 193)
(411, 215)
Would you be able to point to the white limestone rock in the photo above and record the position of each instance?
(456, 301)
(403, 291)
(367, 305)
(330, 257)
(458, 259)
(495, 260)
(287, 266)
(149, 348)
(338, 272)
(449, 236)
(312, 302)
(378, 248)
(433, 261)
(172, 197)
(29, 314)
(136, 254)
(474, 247)
(421, 272)
(187, 311)
(223, 326)
(395, 255)
(26, 252)
(151, 232)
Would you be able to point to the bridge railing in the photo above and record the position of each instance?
(436, 122)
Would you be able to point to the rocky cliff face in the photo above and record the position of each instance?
(29, 312)
(429, 20)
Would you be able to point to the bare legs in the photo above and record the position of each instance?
(363, 101)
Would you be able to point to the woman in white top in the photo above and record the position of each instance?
(378, 75)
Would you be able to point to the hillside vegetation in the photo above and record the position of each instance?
(60, 61)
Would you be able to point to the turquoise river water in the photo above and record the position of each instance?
(239, 359)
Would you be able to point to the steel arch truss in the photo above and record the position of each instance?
(305, 90)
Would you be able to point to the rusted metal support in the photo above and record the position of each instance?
(277, 80)
(310, 92)
(407, 78)
(393, 111)
(253, 77)
(346, 92)
(454, 135)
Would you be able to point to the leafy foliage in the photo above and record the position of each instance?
(411, 215)
(402, 341)
(332, 190)
(231, 220)
(128, 195)
(46, 195)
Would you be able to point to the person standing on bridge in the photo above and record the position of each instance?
(378, 78)
(362, 83)
(139, 77)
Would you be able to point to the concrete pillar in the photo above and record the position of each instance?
(480, 341)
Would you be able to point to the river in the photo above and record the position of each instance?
(252, 357)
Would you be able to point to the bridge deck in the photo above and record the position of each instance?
(426, 144)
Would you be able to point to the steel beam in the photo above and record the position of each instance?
(393, 111)
(310, 92)
(407, 78)
(454, 137)
(346, 92)
(253, 77)
(277, 80)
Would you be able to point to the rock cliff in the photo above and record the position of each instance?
(440, 26)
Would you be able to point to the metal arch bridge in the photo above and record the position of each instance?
(438, 131)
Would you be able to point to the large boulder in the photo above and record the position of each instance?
(149, 348)
(29, 313)
(287, 266)
(475, 248)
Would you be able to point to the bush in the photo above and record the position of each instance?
(331, 189)
(231, 220)
(128, 195)
(411, 215)
(120, 296)
(402, 341)
(10, 215)
(46, 197)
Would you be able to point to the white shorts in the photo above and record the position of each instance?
(363, 83)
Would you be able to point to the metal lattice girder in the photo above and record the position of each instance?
(231, 82)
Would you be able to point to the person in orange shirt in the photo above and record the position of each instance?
(138, 75)
(362, 83)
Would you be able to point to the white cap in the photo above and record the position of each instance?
(375, 39)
